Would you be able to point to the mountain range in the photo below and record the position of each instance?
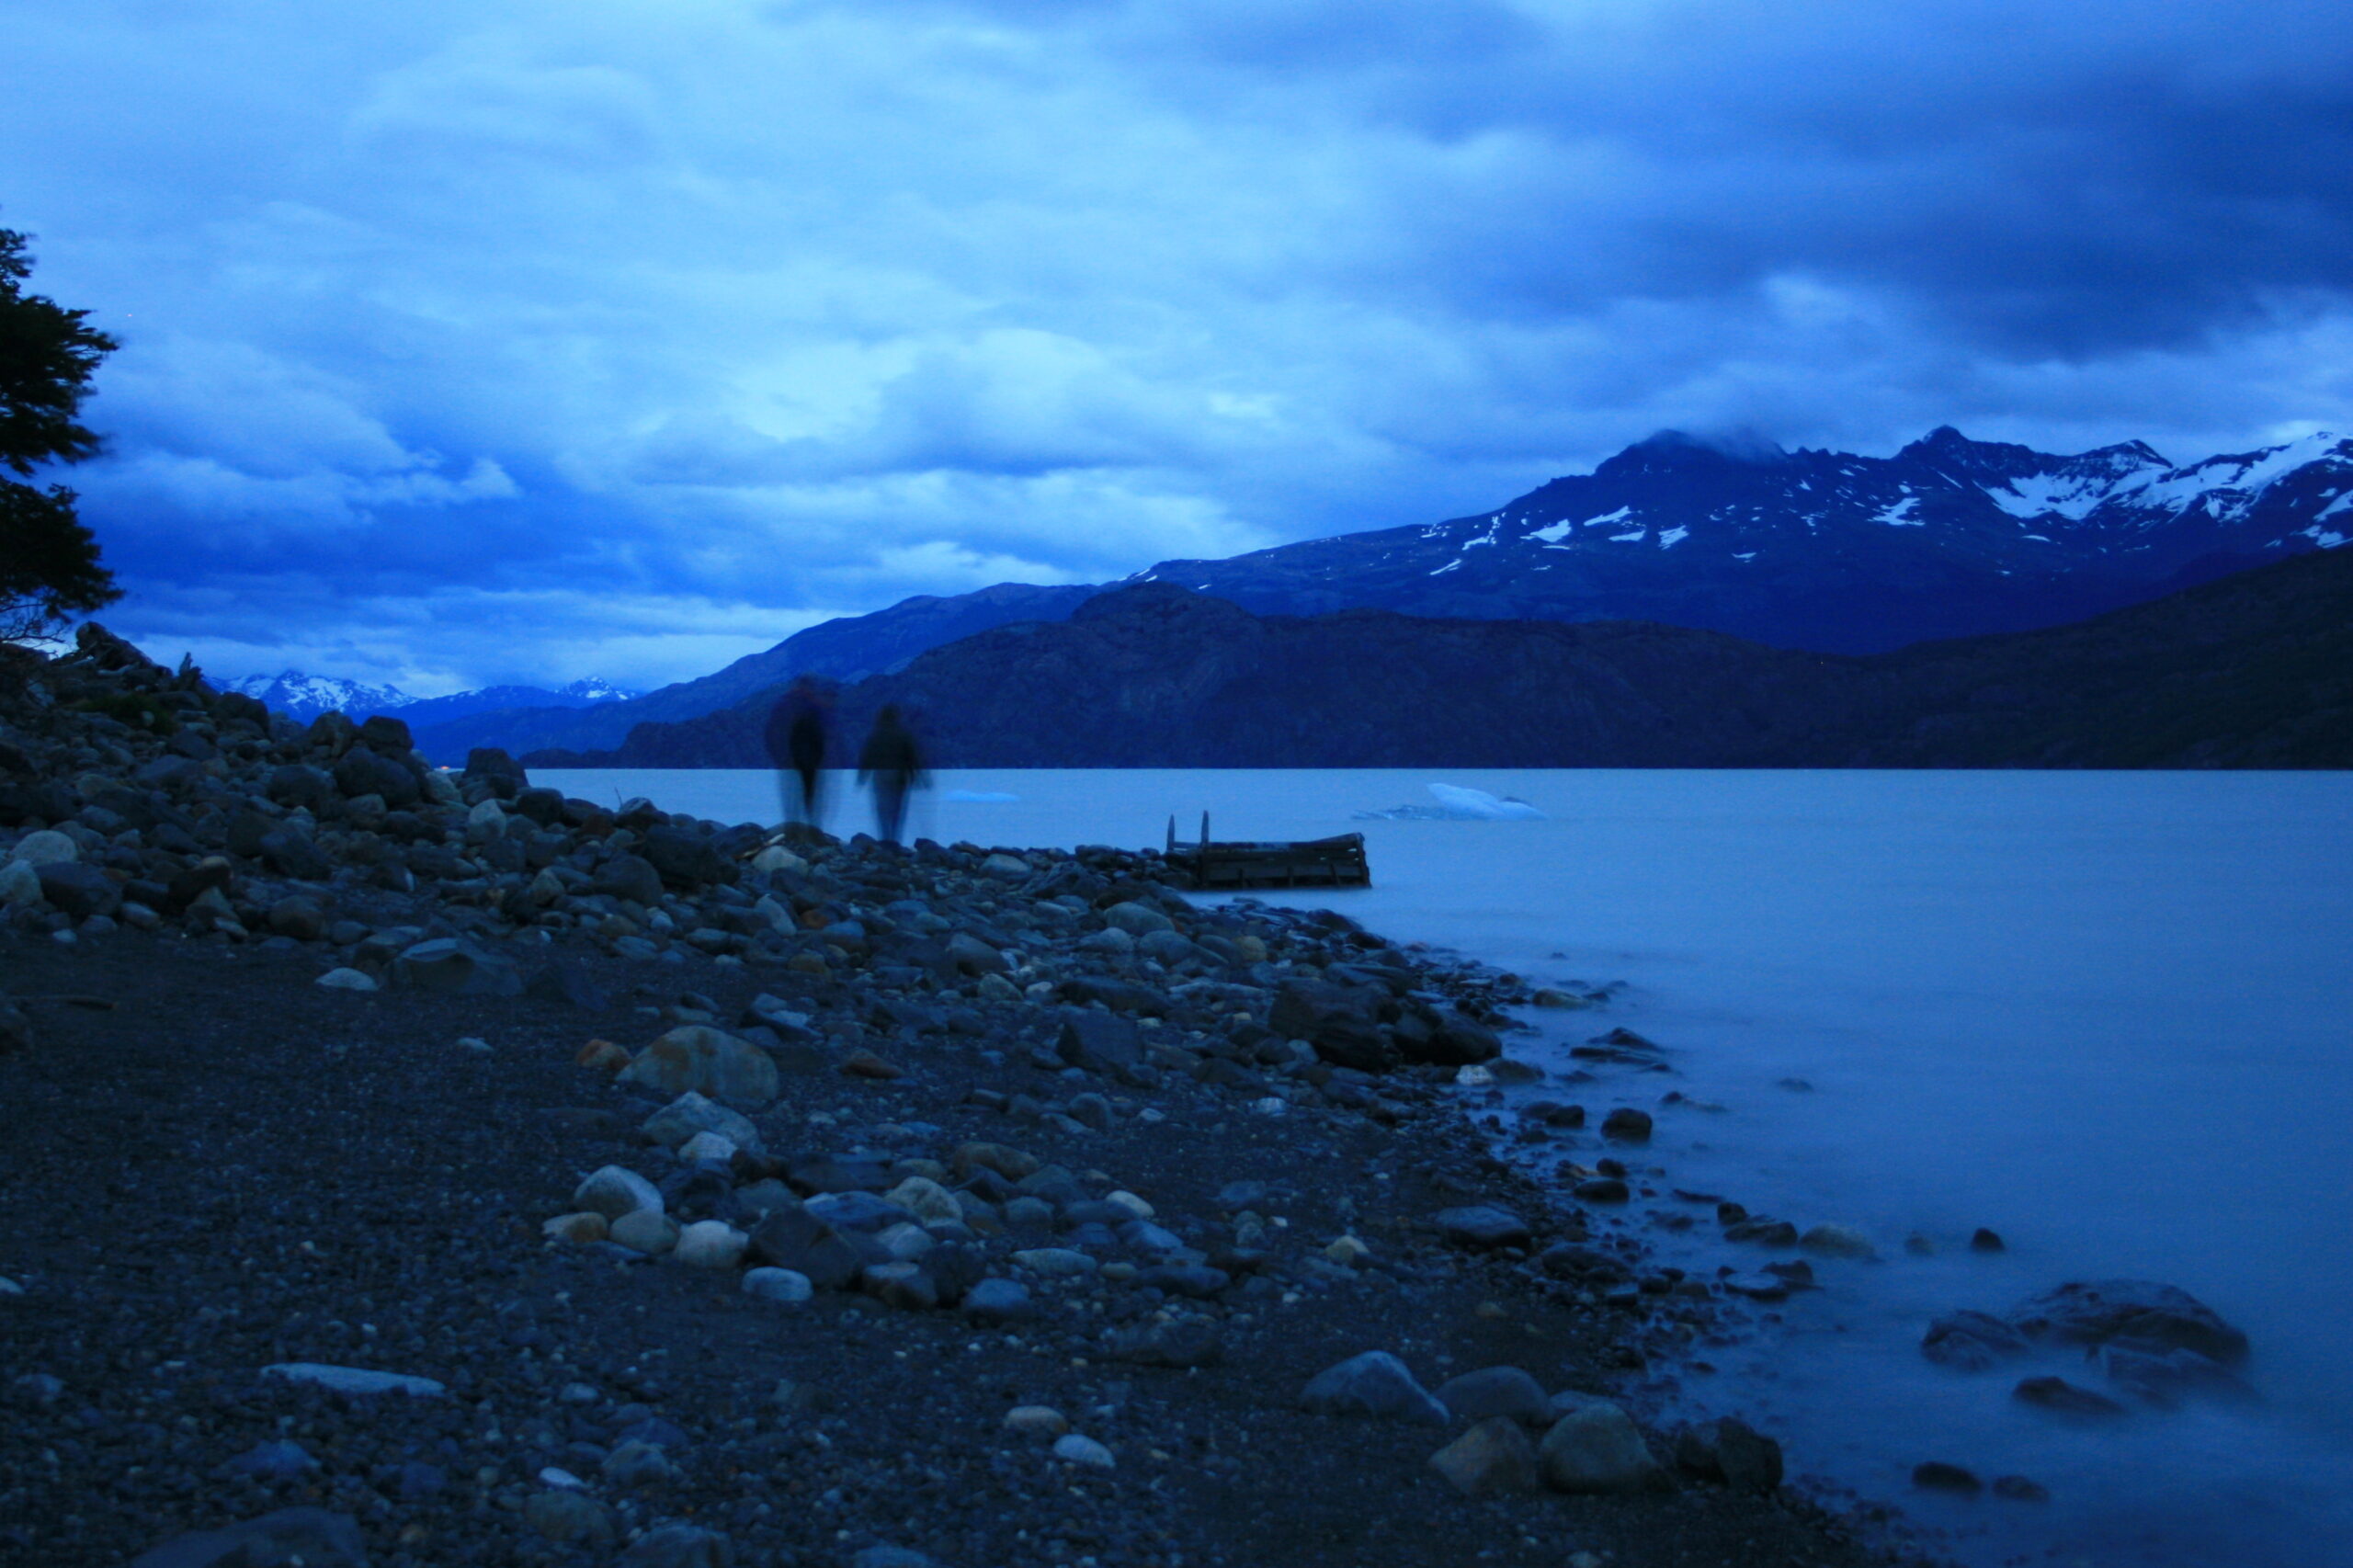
(1812, 550)
(2252, 670)
(305, 696)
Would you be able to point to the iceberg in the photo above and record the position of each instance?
(1458, 803)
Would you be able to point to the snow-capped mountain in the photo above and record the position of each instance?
(1826, 550)
(304, 698)
(1815, 549)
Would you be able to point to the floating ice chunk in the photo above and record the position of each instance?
(1478, 805)
(1458, 803)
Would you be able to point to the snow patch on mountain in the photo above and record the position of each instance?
(305, 696)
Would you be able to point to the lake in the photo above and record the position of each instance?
(2109, 1016)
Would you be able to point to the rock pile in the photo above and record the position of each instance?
(946, 1091)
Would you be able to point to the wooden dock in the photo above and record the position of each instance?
(1335, 862)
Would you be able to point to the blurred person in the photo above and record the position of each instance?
(891, 760)
(800, 732)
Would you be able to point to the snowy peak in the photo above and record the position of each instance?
(304, 696)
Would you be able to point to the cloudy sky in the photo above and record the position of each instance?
(530, 339)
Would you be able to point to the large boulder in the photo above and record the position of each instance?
(453, 967)
(1100, 1042)
(830, 1258)
(1972, 1341)
(1137, 919)
(691, 1113)
(493, 768)
(1495, 1391)
(631, 877)
(80, 891)
(616, 1190)
(1341, 1022)
(709, 1062)
(1452, 1040)
(1595, 1448)
(1375, 1383)
(46, 847)
(298, 784)
(683, 858)
(382, 732)
(2093, 1312)
(1730, 1451)
(365, 771)
(290, 852)
(310, 1536)
(1493, 1458)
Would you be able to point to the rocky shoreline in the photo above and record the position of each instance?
(411, 1168)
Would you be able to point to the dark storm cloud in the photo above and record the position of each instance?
(524, 340)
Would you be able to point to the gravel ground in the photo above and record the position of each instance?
(232, 1167)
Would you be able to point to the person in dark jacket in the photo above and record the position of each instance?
(893, 762)
(800, 732)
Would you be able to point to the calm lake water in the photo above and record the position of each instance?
(2110, 1015)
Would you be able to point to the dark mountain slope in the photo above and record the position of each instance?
(2255, 670)
(847, 649)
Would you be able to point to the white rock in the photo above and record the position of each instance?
(1012, 867)
(1074, 1450)
(775, 913)
(691, 1113)
(925, 1200)
(905, 1242)
(786, 1287)
(347, 979)
(46, 848)
(19, 883)
(562, 1480)
(616, 1190)
(486, 822)
(1035, 1421)
(648, 1231)
(1271, 1105)
(10, 1287)
(353, 1380)
(707, 1146)
(1472, 1075)
(474, 1043)
(777, 858)
(1130, 1203)
(711, 1244)
(1055, 1260)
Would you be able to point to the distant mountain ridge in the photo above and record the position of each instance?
(1826, 551)
(305, 696)
(1815, 549)
(2254, 670)
(848, 649)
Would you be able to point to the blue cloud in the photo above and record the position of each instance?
(503, 342)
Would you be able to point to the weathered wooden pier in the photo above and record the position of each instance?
(1336, 862)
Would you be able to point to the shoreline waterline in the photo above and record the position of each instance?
(2091, 1011)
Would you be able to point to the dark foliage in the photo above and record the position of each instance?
(48, 561)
